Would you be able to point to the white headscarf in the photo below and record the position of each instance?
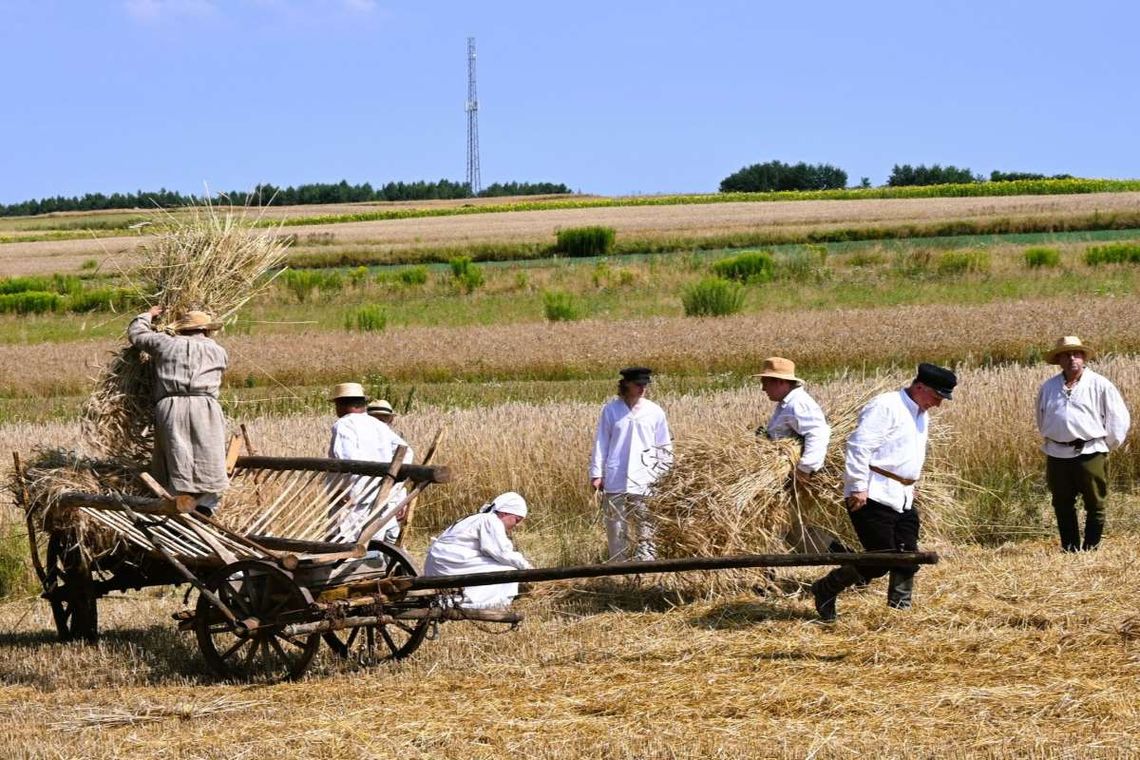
(509, 503)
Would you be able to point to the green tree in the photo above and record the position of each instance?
(905, 174)
(776, 175)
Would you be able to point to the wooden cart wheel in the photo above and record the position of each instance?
(263, 594)
(70, 590)
(391, 641)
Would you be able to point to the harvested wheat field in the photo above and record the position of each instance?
(1010, 652)
(635, 222)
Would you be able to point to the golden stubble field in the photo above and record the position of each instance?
(1015, 652)
(45, 257)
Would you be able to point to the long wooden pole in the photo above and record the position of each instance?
(856, 559)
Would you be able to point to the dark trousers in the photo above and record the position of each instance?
(880, 528)
(1084, 476)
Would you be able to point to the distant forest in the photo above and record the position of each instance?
(341, 192)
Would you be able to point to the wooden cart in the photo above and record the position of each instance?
(270, 590)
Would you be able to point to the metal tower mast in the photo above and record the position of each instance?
(472, 121)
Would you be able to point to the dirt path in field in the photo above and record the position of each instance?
(633, 221)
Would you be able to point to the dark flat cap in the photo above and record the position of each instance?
(938, 379)
(639, 375)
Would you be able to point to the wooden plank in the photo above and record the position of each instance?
(415, 614)
(179, 505)
(233, 451)
(413, 472)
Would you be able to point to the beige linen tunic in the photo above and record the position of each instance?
(190, 429)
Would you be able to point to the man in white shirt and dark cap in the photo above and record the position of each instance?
(632, 449)
(480, 543)
(884, 460)
(1082, 416)
(356, 435)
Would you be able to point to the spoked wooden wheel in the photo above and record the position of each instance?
(264, 599)
(387, 641)
(70, 589)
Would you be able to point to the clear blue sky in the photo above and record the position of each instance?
(609, 97)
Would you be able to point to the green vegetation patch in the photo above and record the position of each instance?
(712, 297)
(1113, 253)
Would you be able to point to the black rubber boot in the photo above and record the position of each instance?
(900, 590)
(826, 589)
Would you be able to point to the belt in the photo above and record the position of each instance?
(1077, 443)
(892, 476)
(203, 394)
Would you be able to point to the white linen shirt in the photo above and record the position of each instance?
(632, 447)
(799, 415)
(891, 434)
(1093, 411)
(361, 437)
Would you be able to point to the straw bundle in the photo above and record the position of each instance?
(205, 260)
(732, 492)
(54, 471)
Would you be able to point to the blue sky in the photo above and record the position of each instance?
(609, 97)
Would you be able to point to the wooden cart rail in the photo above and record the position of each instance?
(305, 498)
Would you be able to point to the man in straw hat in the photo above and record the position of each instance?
(632, 449)
(190, 429)
(885, 454)
(796, 415)
(1082, 417)
(382, 411)
(357, 435)
(480, 543)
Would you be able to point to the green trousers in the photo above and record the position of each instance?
(1083, 476)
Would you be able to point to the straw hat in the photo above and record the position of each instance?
(1068, 343)
(779, 368)
(380, 407)
(348, 390)
(195, 320)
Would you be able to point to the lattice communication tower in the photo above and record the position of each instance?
(472, 122)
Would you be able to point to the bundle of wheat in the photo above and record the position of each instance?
(206, 260)
(732, 492)
(51, 472)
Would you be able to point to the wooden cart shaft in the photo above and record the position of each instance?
(739, 561)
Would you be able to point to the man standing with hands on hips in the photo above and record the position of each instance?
(1082, 417)
(884, 460)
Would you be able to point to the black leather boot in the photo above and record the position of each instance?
(900, 590)
(826, 589)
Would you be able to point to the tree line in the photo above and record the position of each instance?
(774, 176)
(265, 194)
